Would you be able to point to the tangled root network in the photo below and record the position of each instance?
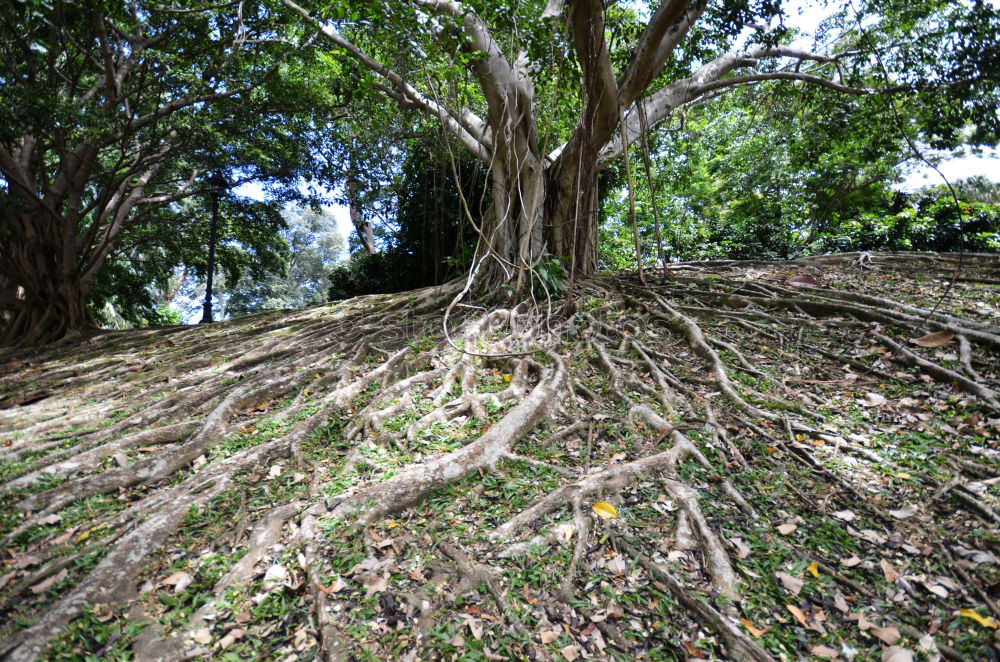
(730, 460)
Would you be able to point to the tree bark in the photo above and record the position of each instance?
(51, 303)
(364, 228)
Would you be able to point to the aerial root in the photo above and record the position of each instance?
(328, 634)
(582, 526)
(721, 438)
(638, 361)
(89, 459)
(716, 558)
(612, 479)
(153, 644)
(617, 477)
(112, 581)
(941, 373)
(688, 329)
(965, 358)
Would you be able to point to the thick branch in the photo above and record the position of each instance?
(471, 132)
(664, 101)
(666, 29)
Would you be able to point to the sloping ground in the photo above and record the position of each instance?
(746, 461)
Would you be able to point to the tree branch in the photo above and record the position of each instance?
(661, 103)
(784, 75)
(471, 131)
(665, 30)
(586, 22)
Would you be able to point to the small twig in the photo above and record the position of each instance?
(538, 463)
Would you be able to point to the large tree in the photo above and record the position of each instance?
(111, 109)
(553, 92)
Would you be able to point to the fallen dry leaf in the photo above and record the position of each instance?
(787, 529)
(803, 280)
(616, 564)
(897, 654)
(64, 537)
(570, 653)
(797, 613)
(604, 510)
(202, 636)
(376, 584)
(890, 573)
(974, 615)
(905, 512)
(936, 339)
(889, 635)
(844, 515)
(825, 652)
(873, 400)
(755, 631)
(692, 651)
(337, 586)
(180, 580)
(863, 623)
(275, 575)
(792, 584)
(614, 610)
(548, 636)
(840, 603)
(873, 536)
(742, 551)
(231, 638)
(813, 569)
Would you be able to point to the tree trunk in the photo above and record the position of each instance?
(40, 259)
(364, 229)
(538, 211)
(51, 307)
(572, 214)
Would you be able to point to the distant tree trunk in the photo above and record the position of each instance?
(364, 228)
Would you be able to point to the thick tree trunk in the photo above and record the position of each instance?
(538, 211)
(512, 231)
(572, 214)
(48, 313)
(40, 259)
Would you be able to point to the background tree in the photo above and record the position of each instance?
(314, 247)
(555, 86)
(110, 110)
(430, 238)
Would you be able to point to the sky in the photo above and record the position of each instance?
(955, 168)
(806, 15)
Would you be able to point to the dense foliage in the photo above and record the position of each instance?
(772, 172)
(431, 239)
(110, 115)
(761, 142)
